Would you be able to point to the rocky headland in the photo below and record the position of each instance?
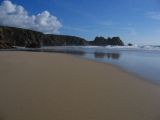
(11, 36)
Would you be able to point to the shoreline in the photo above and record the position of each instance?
(137, 74)
(70, 54)
(61, 52)
(37, 85)
(119, 68)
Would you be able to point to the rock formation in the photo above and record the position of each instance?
(10, 36)
(63, 40)
(101, 41)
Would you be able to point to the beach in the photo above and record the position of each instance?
(54, 86)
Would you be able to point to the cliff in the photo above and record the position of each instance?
(10, 36)
(63, 40)
(20, 37)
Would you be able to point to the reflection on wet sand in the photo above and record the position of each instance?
(107, 55)
(78, 52)
(81, 53)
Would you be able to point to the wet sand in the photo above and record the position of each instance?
(52, 86)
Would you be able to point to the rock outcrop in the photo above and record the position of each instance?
(63, 40)
(20, 37)
(5, 45)
(101, 41)
(10, 36)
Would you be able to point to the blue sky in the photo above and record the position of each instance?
(135, 21)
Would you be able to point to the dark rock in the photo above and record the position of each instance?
(130, 44)
(101, 41)
(63, 40)
(20, 37)
(116, 41)
(10, 36)
(4, 45)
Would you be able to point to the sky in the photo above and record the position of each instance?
(134, 21)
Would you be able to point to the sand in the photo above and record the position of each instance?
(52, 86)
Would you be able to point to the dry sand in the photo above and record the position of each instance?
(50, 86)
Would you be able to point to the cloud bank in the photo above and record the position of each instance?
(16, 16)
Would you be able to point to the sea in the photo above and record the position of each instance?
(143, 61)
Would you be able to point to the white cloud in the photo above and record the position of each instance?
(16, 16)
(153, 15)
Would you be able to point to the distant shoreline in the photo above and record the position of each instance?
(12, 36)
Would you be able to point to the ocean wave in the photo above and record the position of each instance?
(102, 49)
